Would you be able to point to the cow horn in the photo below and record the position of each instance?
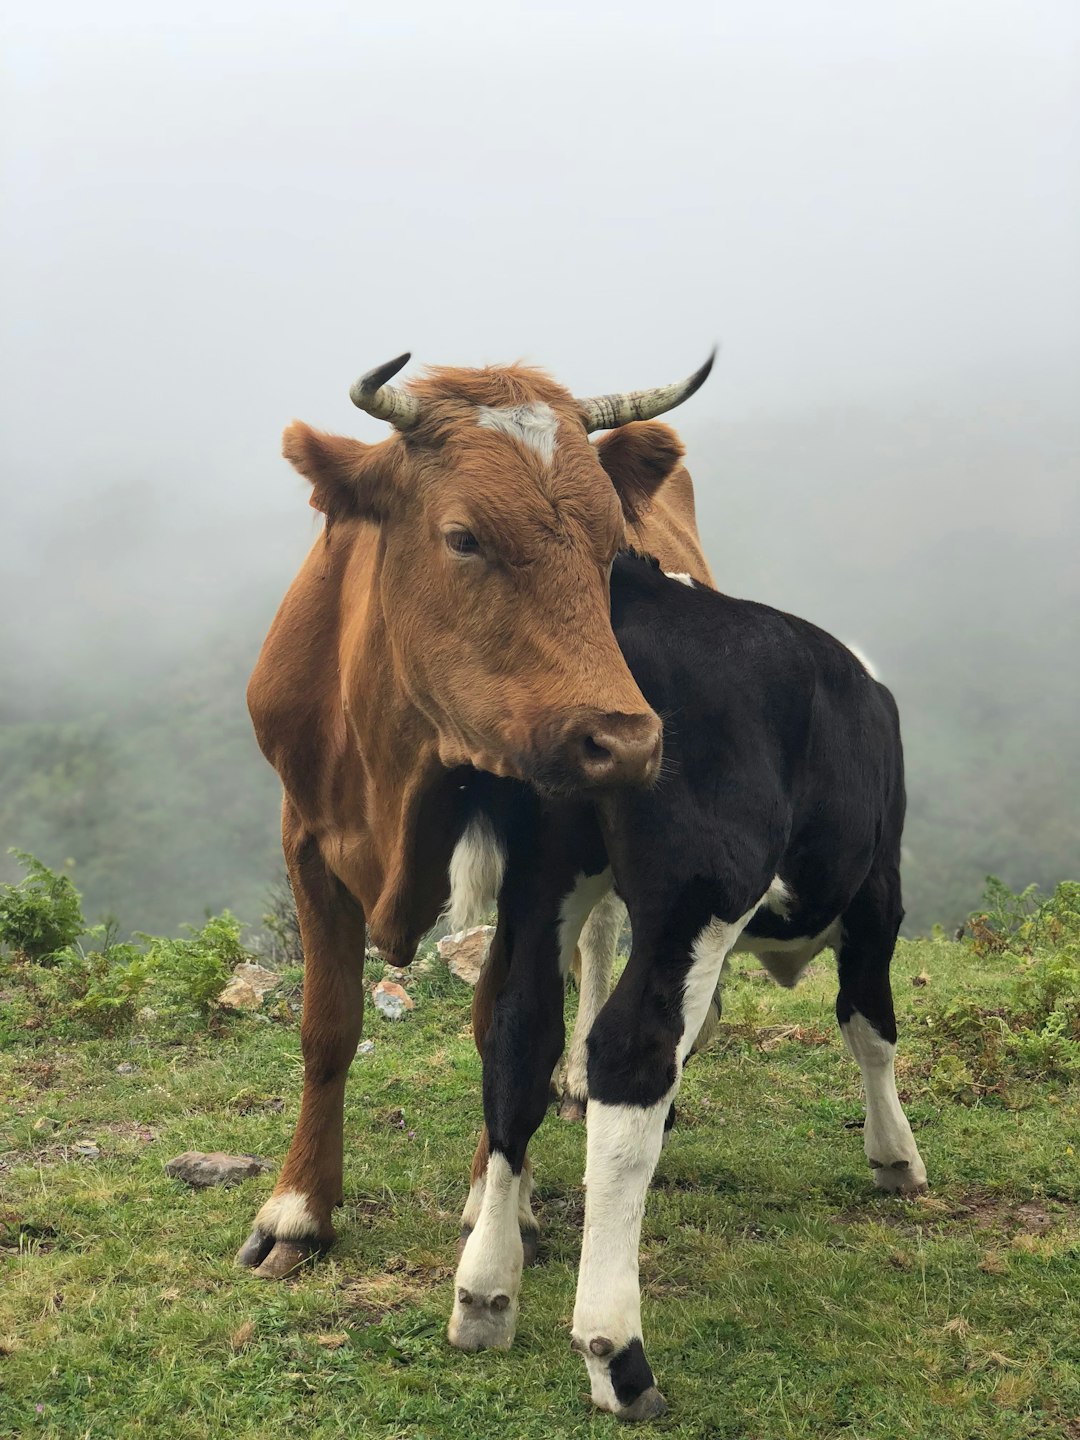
(386, 402)
(605, 412)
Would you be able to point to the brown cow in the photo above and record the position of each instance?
(453, 618)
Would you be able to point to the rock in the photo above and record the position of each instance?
(391, 1000)
(127, 1068)
(239, 995)
(202, 1170)
(466, 952)
(366, 1047)
(248, 987)
(87, 1150)
(148, 1015)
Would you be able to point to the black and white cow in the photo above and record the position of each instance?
(775, 828)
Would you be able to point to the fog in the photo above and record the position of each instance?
(216, 217)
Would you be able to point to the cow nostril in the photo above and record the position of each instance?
(594, 750)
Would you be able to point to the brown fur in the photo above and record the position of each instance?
(392, 663)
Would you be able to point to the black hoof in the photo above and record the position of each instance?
(254, 1249)
(649, 1405)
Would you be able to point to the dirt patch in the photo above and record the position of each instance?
(977, 1209)
(402, 1282)
(39, 1074)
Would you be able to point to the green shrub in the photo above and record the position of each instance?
(1035, 1034)
(185, 975)
(40, 915)
(69, 979)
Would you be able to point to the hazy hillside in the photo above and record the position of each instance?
(938, 543)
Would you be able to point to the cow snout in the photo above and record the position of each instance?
(616, 749)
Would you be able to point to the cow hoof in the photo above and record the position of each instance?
(482, 1322)
(649, 1405)
(572, 1108)
(900, 1177)
(273, 1259)
(530, 1244)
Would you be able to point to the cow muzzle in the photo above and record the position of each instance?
(601, 750)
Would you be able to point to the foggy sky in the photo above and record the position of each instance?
(216, 216)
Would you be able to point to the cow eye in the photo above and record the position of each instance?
(462, 542)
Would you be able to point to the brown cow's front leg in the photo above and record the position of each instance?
(295, 1222)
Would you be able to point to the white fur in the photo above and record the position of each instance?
(623, 1147)
(864, 662)
(682, 577)
(477, 867)
(786, 960)
(779, 898)
(474, 1204)
(710, 951)
(535, 425)
(889, 1143)
(491, 1262)
(287, 1217)
(575, 910)
(598, 941)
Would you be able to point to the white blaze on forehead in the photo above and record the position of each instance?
(682, 577)
(535, 425)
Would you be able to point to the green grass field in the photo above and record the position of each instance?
(782, 1296)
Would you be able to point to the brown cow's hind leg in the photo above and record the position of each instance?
(295, 1222)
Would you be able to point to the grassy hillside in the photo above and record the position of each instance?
(783, 1297)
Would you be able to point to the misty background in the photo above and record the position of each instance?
(214, 219)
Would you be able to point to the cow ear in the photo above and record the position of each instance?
(639, 457)
(348, 478)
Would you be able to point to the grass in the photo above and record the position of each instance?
(782, 1296)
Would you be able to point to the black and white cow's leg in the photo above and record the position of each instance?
(864, 1008)
(597, 946)
(637, 1048)
(523, 1044)
(488, 988)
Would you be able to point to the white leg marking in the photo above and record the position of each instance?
(476, 874)
(623, 1148)
(489, 1273)
(535, 425)
(287, 1217)
(575, 910)
(598, 942)
(710, 952)
(890, 1145)
(474, 1204)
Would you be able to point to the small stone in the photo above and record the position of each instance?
(391, 1000)
(45, 1125)
(87, 1150)
(200, 1170)
(127, 1068)
(466, 951)
(248, 987)
(239, 995)
(366, 1047)
(148, 1015)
